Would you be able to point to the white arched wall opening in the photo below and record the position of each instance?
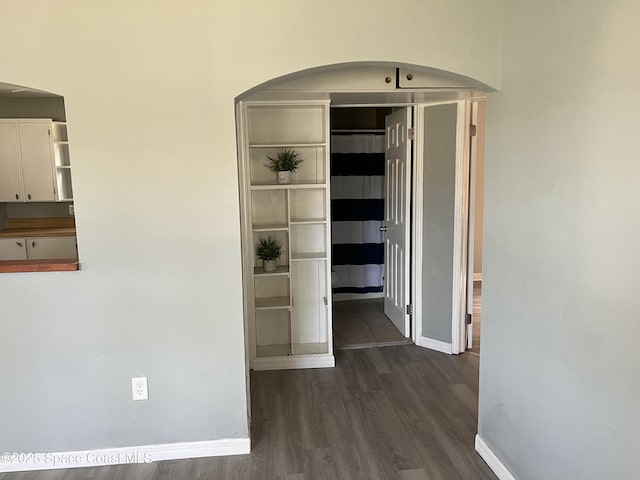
(388, 84)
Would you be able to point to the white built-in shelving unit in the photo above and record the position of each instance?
(288, 311)
(62, 161)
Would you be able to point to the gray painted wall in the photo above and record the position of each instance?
(438, 209)
(559, 378)
(149, 90)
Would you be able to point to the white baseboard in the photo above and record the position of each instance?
(477, 277)
(434, 345)
(25, 462)
(494, 462)
(342, 297)
(294, 362)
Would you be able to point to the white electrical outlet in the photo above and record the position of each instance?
(140, 388)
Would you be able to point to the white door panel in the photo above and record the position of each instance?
(397, 222)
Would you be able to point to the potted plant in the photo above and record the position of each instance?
(269, 250)
(285, 163)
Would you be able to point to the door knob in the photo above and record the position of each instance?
(383, 228)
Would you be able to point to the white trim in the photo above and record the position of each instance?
(460, 232)
(294, 362)
(245, 216)
(472, 108)
(416, 223)
(436, 345)
(128, 455)
(492, 460)
(477, 277)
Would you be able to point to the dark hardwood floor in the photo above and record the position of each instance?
(362, 323)
(398, 412)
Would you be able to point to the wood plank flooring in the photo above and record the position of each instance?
(399, 412)
(362, 323)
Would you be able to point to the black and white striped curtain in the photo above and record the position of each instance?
(357, 212)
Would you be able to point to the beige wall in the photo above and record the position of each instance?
(149, 88)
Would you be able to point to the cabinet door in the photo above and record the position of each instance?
(13, 249)
(10, 179)
(37, 164)
(39, 248)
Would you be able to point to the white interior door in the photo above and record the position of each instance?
(397, 218)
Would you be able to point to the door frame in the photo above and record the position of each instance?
(462, 212)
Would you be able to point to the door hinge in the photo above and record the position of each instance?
(409, 309)
(473, 130)
(469, 318)
(410, 134)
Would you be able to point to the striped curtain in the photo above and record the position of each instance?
(357, 212)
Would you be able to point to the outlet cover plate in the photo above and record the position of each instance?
(140, 388)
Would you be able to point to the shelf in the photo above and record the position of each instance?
(273, 350)
(308, 256)
(287, 145)
(272, 303)
(280, 227)
(291, 186)
(308, 221)
(260, 272)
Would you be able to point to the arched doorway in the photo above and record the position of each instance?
(288, 312)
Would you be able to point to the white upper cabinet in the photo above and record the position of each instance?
(10, 171)
(37, 164)
(34, 161)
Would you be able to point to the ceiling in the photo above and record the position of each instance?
(14, 91)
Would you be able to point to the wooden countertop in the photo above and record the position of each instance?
(64, 265)
(39, 227)
(37, 232)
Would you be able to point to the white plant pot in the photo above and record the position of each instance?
(284, 178)
(269, 265)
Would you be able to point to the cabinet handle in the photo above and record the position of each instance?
(33, 244)
(409, 77)
(29, 196)
(388, 79)
(19, 244)
(383, 228)
(17, 197)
